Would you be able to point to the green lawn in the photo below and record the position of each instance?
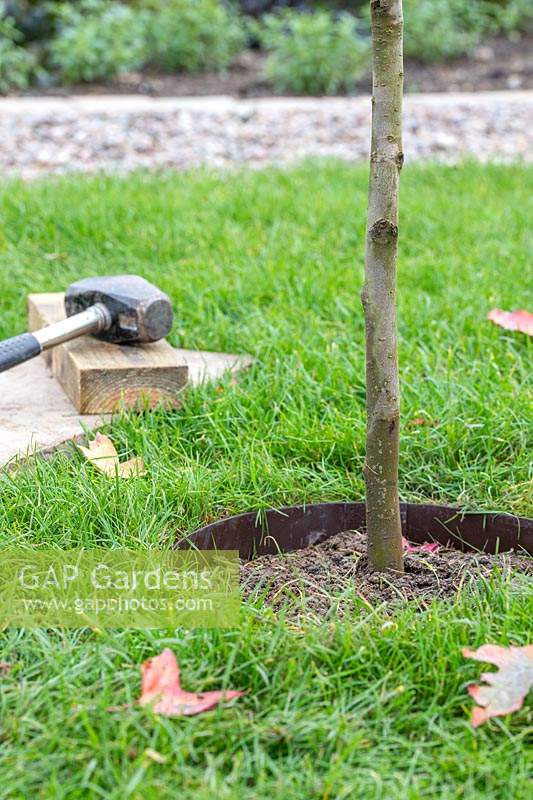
(271, 263)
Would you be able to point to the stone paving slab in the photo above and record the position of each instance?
(36, 414)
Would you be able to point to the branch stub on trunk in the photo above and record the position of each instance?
(383, 231)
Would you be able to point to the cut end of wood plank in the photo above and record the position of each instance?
(99, 377)
(131, 389)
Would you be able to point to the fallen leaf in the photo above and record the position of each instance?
(134, 468)
(418, 422)
(503, 691)
(162, 690)
(427, 547)
(153, 755)
(102, 454)
(512, 320)
(5, 667)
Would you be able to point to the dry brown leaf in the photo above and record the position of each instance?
(162, 690)
(503, 691)
(153, 755)
(102, 454)
(134, 468)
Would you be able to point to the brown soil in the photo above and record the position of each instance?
(313, 579)
(496, 65)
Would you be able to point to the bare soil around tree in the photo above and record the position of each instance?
(324, 576)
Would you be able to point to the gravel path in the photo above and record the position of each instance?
(43, 135)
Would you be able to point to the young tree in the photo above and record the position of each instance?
(379, 292)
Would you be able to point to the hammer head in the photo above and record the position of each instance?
(139, 312)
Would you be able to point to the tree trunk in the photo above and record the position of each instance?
(379, 292)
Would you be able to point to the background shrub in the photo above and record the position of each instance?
(33, 18)
(313, 53)
(439, 29)
(313, 46)
(258, 7)
(16, 64)
(97, 39)
(513, 15)
(192, 35)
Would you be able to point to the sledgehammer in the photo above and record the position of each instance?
(123, 309)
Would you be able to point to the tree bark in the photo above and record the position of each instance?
(379, 292)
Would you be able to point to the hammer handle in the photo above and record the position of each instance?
(21, 348)
(18, 349)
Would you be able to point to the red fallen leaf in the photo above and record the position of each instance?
(162, 690)
(503, 691)
(427, 547)
(418, 422)
(512, 320)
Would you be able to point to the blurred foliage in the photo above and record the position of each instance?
(312, 47)
(440, 29)
(96, 40)
(192, 35)
(513, 15)
(33, 19)
(313, 53)
(16, 63)
(258, 7)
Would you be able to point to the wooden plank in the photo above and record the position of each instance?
(99, 377)
(37, 416)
